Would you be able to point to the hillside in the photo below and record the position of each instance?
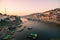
(47, 16)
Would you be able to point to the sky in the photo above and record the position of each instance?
(26, 7)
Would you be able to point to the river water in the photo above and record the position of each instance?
(45, 31)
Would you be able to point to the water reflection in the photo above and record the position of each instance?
(45, 30)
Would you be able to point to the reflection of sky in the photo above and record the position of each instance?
(23, 7)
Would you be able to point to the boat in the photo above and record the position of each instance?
(29, 28)
(24, 26)
(33, 36)
(21, 30)
(11, 28)
(19, 25)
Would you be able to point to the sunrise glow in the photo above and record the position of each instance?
(25, 7)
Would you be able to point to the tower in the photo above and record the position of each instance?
(5, 14)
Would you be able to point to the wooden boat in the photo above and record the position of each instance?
(29, 28)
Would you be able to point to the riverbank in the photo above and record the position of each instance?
(50, 21)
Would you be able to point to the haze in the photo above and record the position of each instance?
(25, 7)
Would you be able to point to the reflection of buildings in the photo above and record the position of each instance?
(24, 20)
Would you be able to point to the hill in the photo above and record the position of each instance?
(47, 16)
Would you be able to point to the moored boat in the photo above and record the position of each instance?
(33, 36)
(29, 28)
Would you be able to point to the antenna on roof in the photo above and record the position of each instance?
(5, 11)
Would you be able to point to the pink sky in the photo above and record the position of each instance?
(25, 7)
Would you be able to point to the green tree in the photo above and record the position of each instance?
(0, 13)
(5, 14)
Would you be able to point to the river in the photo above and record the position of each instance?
(46, 31)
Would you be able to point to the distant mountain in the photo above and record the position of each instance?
(31, 15)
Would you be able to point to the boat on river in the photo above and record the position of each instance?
(29, 28)
(33, 36)
(21, 30)
(19, 25)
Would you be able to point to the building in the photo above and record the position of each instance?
(12, 18)
(2, 17)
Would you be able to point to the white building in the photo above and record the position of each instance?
(2, 17)
(12, 18)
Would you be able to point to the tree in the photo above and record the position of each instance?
(0, 13)
(5, 14)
